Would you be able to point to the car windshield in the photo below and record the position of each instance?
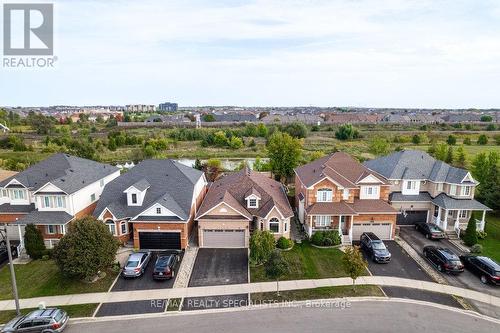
(58, 316)
(378, 246)
(435, 229)
(132, 264)
(162, 261)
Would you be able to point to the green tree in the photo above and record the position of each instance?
(449, 155)
(486, 118)
(235, 142)
(33, 241)
(467, 141)
(489, 191)
(284, 154)
(441, 151)
(346, 132)
(480, 167)
(262, 244)
(296, 130)
(470, 237)
(353, 263)
(491, 127)
(379, 146)
(482, 140)
(112, 144)
(87, 249)
(461, 157)
(197, 164)
(213, 168)
(276, 267)
(452, 140)
(209, 118)
(262, 130)
(416, 139)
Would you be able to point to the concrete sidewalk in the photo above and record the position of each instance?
(123, 296)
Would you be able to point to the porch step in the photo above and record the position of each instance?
(451, 234)
(346, 240)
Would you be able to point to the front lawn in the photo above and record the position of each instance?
(317, 293)
(42, 278)
(74, 311)
(306, 262)
(491, 244)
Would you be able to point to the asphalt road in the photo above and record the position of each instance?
(364, 316)
(464, 280)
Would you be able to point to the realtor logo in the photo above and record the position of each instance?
(28, 29)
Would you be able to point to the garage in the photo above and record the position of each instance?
(383, 230)
(160, 240)
(411, 217)
(223, 238)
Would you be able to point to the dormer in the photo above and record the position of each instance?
(252, 198)
(136, 192)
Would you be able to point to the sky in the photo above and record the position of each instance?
(380, 53)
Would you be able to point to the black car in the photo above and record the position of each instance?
(430, 230)
(164, 266)
(374, 247)
(4, 256)
(487, 269)
(444, 259)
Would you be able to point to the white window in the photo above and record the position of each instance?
(51, 229)
(369, 192)
(274, 225)
(345, 194)
(453, 189)
(123, 226)
(252, 203)
(5, 193)
(158, 210)
(17, 194)
(92, 197)
(450, 213)
(134, 198)
(463, 214)
(440, 187)
(411, 187)
(324, 195)
(465, 191)
(50, 201)
(112, 229)
(323, 220)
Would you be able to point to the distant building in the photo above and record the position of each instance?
(140, 108)
(168, 107)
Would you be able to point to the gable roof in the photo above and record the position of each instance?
(171, 184)
(234, 188)
(67, 172)
(339, 167)
(416, 164)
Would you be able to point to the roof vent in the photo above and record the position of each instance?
(62, 179)
(71, 170)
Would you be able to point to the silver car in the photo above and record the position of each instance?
(136, 264)
(45, 320)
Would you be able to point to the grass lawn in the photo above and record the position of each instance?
(491, 244)
(317, 293)
(306, 262)
(75, 311)
(42, 278)
(174, 304)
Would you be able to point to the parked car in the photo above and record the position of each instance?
(4, 256)
(430, 230)
(165, 266)
(444, 259)
(375, 247)
(136, 264)
(487, 269)
(45, 320)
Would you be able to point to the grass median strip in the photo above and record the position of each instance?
(317, 293)
(74, 311)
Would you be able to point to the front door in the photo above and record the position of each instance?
(343, 225)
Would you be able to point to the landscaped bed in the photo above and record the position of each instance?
(43, 278)
(74, 311)
(317, 293)
(306, 262)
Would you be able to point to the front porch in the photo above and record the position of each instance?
(341, 223)
(454, 220)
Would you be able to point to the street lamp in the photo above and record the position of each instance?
(12, 272)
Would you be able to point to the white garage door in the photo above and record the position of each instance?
(223, 238)
(383, 230)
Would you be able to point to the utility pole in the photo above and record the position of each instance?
(12, 273)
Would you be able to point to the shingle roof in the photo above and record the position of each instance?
(446, 202)
(45, 218)
(233, 188)
(422, 196)
(416, 164)
(69, 173)
(8, 208)
(141, 185)
(171, 185)
(340, 167)
(372, 206)
(333, 208)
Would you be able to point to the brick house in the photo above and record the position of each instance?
(51, 194)
(153, 204)
(337, 192)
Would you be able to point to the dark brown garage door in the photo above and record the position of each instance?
(412, 217)
(160, 240)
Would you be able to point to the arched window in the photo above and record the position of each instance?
(274, 225)
(123, 227)
(111, 226)
(324, 195)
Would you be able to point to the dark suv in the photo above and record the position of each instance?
(444, 259)
(374, 247)
(45, 320)
(164, 266)
(487, 269)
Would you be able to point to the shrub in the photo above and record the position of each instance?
(317, 238)
(476, 248)
(33, 241)
(326, 238)
(346, 132)
(481, 234)
(262, 244)
(45, 257)
(334, 236)
(467, 141)
(283, 243)
(327, 241)
(470, 236)
(482, 139)
(86, 249)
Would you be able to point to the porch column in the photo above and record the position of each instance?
(310, 228)
(481, 227)
(438, 217)
(339, 227)
(351, 222)
(445, 220)
(457, 220)
(21, 239)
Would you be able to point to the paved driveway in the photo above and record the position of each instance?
(464, 280)
(218, 267)
(402, 265)
(130, 308)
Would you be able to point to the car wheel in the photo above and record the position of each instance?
(440, 268)
(484, 279)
